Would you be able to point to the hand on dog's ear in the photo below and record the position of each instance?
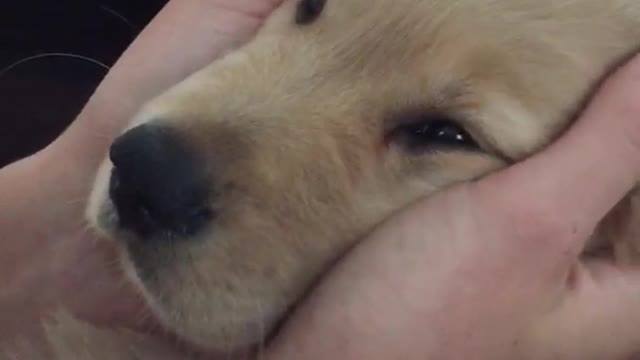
(491, 269)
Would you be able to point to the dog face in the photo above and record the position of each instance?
(233, 191)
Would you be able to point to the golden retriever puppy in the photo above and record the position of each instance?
(234, 191)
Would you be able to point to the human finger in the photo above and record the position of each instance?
(598, 319)
(564, 191)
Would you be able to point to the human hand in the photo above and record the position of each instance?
(491, 269)
(399, 314)
(47, 256)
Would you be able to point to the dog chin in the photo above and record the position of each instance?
(106, 224)
(151, 307)
(103, 219)
(184, 342)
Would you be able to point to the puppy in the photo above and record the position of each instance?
(230, 194)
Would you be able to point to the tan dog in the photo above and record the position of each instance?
(248, 179)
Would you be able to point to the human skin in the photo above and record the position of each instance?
(388, 299)
(47, 256)
(490, 269)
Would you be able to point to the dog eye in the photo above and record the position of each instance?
(432, 134)
(308, 11)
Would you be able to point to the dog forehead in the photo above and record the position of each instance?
(363, 28)
(389, 46)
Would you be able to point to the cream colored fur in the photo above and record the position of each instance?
(293, 126)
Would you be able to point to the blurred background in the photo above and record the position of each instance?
(53, 54)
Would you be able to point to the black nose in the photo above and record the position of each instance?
(157, 183)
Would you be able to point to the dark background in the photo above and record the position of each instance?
(41, 94)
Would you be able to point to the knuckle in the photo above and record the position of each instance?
(542, 229)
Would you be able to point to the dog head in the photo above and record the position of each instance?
(233, 191)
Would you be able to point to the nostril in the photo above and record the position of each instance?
(137, 212)
(131, 208)
(203, 212)
(197, 219)
(157, 184)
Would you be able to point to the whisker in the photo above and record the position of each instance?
(52, 55)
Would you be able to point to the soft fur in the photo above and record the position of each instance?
(294, 124)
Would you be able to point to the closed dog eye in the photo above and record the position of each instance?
(422, 131)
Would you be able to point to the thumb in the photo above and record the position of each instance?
(555, 199)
